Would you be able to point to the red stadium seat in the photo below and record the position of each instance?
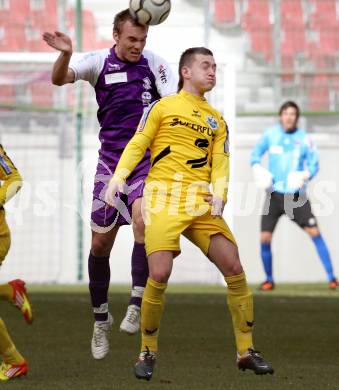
(11, 21)
(324, 14)
(89, 41)
(45, 19)
(256, 21)
(22, 27)
(291, 14)
(224, 11)
(7, 95)
(293, 32)
(324, 22)
(13, 37)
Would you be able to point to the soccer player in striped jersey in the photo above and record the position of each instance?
(189, 145)
(13, 364)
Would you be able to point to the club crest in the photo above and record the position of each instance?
(212, 122)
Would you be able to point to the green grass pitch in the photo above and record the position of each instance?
(297, 329)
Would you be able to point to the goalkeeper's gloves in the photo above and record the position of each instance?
(297, 179)
(262, 177)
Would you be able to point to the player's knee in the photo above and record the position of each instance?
(266, 237)
(100, 247)
(138, 228)
(235, 269)
(160, 275)
(312, 231)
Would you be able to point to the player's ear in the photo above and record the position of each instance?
(115, 36)
(186, 72)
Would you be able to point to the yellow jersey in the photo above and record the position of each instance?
(9, 176)
(189, 144)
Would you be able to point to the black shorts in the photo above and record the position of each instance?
(296, 206)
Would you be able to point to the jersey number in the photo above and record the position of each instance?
(201, 143)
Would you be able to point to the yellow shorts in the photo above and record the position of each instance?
(163, 231)
(5, 236)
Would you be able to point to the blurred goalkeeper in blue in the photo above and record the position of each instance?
(292, 162)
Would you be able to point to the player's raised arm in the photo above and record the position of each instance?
(135, 150)
(61, 73)
(10, 177)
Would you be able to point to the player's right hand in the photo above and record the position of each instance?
(217, 204)
(297, 179)
(58, 41)
(262, 177)
(114, 187)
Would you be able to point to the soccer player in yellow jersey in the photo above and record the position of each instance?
(14, 364)
(189, 145)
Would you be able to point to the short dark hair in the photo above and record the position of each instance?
(187, 58)
(289, 104)
(121, 18)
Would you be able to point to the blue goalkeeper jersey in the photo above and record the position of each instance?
(287, 152)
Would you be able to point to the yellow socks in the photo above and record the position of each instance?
(240, 304)
(152, 306)
(8, 351)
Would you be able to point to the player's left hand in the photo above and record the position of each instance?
(217, 204)
(114, 187)
(297, 179)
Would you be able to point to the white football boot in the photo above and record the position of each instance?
(131, 323)
(100, 343)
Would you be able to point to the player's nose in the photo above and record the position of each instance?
(138, 46)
